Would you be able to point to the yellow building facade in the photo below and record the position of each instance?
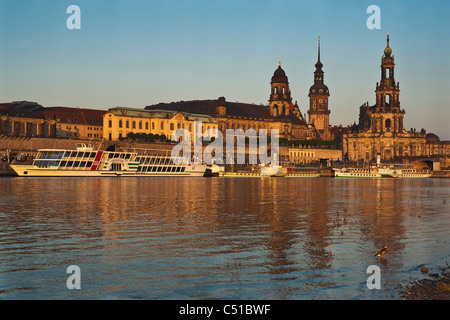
(307, 154)
(119, 122)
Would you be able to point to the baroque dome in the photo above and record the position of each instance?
(279, 75)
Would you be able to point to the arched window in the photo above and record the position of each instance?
(387, 125)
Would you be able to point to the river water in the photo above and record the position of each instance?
(219, 238)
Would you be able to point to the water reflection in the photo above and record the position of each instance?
(217, 238)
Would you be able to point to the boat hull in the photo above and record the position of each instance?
(357, 174)
(33, 171)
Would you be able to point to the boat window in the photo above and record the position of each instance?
(116, 167)
(89, 164)
(183, 168)
(76, 164)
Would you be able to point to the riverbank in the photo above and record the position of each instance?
(441, 174)
(436, 287)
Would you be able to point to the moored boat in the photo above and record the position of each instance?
(403, 171)
(357, 173)
(87, 162)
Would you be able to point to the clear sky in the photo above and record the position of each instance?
(141, 52)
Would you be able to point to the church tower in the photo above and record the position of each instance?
(318, 112)
(386, 116)
(280, 101)
(380, 130)
(387, 91)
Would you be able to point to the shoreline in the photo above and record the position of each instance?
(435, 287)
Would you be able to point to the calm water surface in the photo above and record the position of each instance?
(218, 238)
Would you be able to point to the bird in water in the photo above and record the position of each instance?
(382, 252)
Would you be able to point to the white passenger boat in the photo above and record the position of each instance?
(358, 172)
(403, 171)
(87, 162)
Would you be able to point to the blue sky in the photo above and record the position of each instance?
(137, 53)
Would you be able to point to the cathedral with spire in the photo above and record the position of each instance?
(380, 129)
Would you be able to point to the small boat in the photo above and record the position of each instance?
(85, 161)
(271, 171)
(372, 172)
(403, 171)
(214, 170)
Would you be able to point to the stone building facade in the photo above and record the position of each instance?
(281, 113)
(307, 154)
(24, 119)
(120, 121)
(30, 119)
(380, 129)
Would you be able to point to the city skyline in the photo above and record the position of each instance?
(151, 52)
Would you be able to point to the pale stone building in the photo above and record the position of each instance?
(380, 129)
(309, 154)
(281, 113)
(120, 121)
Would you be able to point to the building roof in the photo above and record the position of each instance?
(234, 109)
(19, 108)
(279, 75)
(160, 113)
(74, 115)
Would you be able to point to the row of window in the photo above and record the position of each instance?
(162, 169)
(95, 135)
(154, 160)
(140, 125)
(302, 154)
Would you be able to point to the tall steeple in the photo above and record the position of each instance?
(318, 74)
(387, 91)
(318, 101)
